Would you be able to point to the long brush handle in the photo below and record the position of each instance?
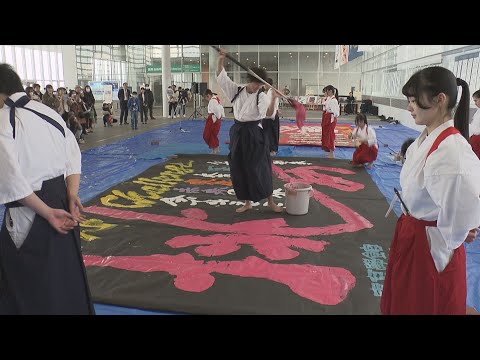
(230, 57)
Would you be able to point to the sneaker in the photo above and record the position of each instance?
(152, 118)
(81, 141)
(169, 117)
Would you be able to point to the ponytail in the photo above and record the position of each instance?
(462, 112)
(332, 89)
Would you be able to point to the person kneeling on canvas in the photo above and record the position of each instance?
(212, 126)
(365, 142)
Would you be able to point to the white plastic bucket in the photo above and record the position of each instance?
(297, 198)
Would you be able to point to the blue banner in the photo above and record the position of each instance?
(353, 52)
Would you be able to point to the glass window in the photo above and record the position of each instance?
(288, 61)
(249, 55)
(175, 65)
(60, 65)
(20, 60)
(233, 50)
(289, 79)
(175, 51)
(308, 61)
(327, 61)
(46, 65)
(123, 71)
(29, 64)
(191, 51)
(157, 51)
(38, 64)
(475, 84)
(269, 59)
(54, 66)
(204, 58)
(274, 76)
(9, 55)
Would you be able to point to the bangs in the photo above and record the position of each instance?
(410, 89)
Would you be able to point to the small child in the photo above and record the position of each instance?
(134, 105)
(75, 127)
(107, 114)
(83, 120)
(401, 156)
(212, 126)
(365, 142)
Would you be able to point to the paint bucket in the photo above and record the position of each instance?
(297, 198)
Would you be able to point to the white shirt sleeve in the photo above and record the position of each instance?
(372, 137)
(269, 100)
(215, 108)
(13, 185)
(333, 107)
(74, 156)
(459, 204)
(354, 133)
(263, 105)
(227, 85)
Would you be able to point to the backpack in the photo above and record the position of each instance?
(240, 90)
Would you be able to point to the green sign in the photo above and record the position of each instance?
(191, 67)
(176, 68)
(154, 69)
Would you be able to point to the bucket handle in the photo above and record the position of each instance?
(293, 192)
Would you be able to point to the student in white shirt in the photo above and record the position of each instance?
(324, 100)
(249, 158)
(365, 142)
(214, 120)
(42, 269)
(329, 120)
(271, 124)
(440, 180)
(475, 125)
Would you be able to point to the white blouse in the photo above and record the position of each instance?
(362, 135)
(275, 107)
(331, 106)
(215, 108)
(245, 105)
(445, 187)
(37, 153)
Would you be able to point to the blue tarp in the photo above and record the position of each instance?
(104, 166)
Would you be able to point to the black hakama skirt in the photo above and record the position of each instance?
(250, 161)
